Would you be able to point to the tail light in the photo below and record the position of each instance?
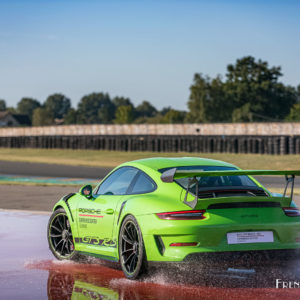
(182, 215)
(291, 211)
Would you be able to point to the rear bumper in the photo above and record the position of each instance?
(210, 236)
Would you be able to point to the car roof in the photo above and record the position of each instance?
(157, 163)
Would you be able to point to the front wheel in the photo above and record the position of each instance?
(131, 249)
(60, 237)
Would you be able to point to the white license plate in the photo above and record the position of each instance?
(250, 237)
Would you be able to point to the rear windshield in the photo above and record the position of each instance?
(208, 183)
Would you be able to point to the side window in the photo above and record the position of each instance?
(143, 184)
(118, 182)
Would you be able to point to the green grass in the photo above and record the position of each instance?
(96, 158)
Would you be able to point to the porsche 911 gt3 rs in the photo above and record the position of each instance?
(176, 210)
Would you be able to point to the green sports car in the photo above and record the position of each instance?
(176, 210)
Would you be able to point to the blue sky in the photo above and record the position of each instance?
(144, 50)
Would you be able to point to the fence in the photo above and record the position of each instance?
(263, 138)
(161, 143)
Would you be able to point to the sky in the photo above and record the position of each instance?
(143, 50)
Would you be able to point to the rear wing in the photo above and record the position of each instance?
(171, 174)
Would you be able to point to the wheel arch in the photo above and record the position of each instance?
(121, 221)
(134, 206)
(58, 207)
(64, 205)
(61, 204)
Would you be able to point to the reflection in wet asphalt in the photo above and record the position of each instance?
(28, 271)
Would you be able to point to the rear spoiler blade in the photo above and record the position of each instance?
(171, 174)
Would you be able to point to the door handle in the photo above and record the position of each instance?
(109, 211)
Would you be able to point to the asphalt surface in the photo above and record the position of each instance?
(31, 197)
(53, 170)
(28, 270)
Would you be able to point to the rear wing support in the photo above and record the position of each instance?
(289, 179)
(192, 204)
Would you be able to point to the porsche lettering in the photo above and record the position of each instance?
(89, 211)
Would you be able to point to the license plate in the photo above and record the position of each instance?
(250, 237)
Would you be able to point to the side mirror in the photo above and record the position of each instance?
(86, 191)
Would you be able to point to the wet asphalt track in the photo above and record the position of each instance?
(29, 271)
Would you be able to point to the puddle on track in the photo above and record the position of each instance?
(28, 271)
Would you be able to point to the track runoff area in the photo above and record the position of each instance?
(29, 271)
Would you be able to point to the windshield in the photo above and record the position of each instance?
(211, 182)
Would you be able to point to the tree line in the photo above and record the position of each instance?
(94, 108)
(250, 91)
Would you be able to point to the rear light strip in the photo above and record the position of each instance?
(182, 215)
(291, 211)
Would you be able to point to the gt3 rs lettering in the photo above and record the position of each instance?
(109, 243)
(92, 240)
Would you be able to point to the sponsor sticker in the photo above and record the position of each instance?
(88, 220)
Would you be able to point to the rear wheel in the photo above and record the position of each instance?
(131, 249)
(60, 236)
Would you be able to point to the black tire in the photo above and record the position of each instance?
(60, 238)
(132, 252)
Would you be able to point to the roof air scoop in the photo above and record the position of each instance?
(168, 176)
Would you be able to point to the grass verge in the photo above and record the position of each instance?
(96, 158)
